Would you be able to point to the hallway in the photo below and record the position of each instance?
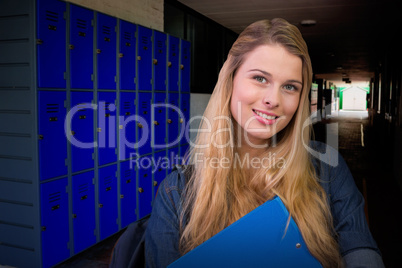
(373, 176)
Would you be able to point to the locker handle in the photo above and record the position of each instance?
(121, 196)
(121, 55)
(139, 58)
(39, 41)
(155, 183)
(181, 66)
(169, 121)
(107, 39)
(72, 132)
(51, 119)
(108, 188)
(71, 46)
(155, 61)
(52, 27)
(40, 137)
(84, 197)
(181, 120)
(82, 116)
(169, 64)
(140, 190)
(128, 181)
(128, 113)
(128, 44)
(98, 51)
(139, 125)
(74, 216)
(43, 228)
(156, 123)
(100, 205)
(107, 115)
(82, 34)
(55, 207)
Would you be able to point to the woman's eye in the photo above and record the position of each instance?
(260, 79)
(290, 87)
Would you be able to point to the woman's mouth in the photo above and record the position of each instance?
(265, 118)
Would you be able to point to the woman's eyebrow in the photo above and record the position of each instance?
(270, 75)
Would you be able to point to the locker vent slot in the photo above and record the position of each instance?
(52, 108)
(52, 16)
(127, 173)
(128, 36)
(82, 24)
(56, 196)
(106, 31)
(83, 188)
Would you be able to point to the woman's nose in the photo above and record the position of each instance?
(271, 98)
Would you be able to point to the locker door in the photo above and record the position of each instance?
(54, 222)
(127, 55)
(52, 139)
(81, 47)
(144, 123)
(144, 58)
(106, 127)
(82, 127)
(173, 119)
(173, 63)
(144, 190)
(84, 224)
(106, 51)
(159, 121)
(159, 169)
(183, 121)
(51, 34)
(127, 125)
(159, 61)
(128, 194)
(107, 201)
(174, 158)
(185, 61)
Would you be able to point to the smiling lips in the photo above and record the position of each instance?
(265, 118)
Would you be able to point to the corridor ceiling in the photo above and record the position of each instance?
(345, 42)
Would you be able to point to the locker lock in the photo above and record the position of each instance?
(138, 57)
(155, 183)
(43, 228)
(156, 123)
(139, 125)
(74, 216)
(181, 66)
(169, 121)
(155, 61)
(71, 46)
(121, 55)
(121, 196)
(39, 41)
(100, 205)
(169, 64)
(140, 190)
(72, 132)
(181, 120)
(98, 51)
(40, 137)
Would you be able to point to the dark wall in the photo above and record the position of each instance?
(210, 43)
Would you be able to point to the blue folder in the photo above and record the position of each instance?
(256, 240)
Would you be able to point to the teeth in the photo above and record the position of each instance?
(268, 117)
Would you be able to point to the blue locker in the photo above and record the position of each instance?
(173, 63)
(82, 126)
(173, 119)
(159, 169)
(106, 51)
(52, 139)
(185, 116)
(51, 41)
(81, 47)
(144, 123)
(159, 121)
(174, 158)
(185, 65)
(144, 189)
(159, 61)
(84, 223)
(106, 128)
(107, 204)
(54, 222)
(128, 193)
(127, 55)
(127, 125)
(144, 58)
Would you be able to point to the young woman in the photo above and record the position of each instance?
(253, 145)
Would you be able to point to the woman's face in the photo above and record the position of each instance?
(266, 92)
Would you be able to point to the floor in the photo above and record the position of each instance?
(367, 157)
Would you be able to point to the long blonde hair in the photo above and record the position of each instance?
(219, 193)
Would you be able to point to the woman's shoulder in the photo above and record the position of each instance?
(176, 179)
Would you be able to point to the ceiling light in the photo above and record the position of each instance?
(308, 22)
